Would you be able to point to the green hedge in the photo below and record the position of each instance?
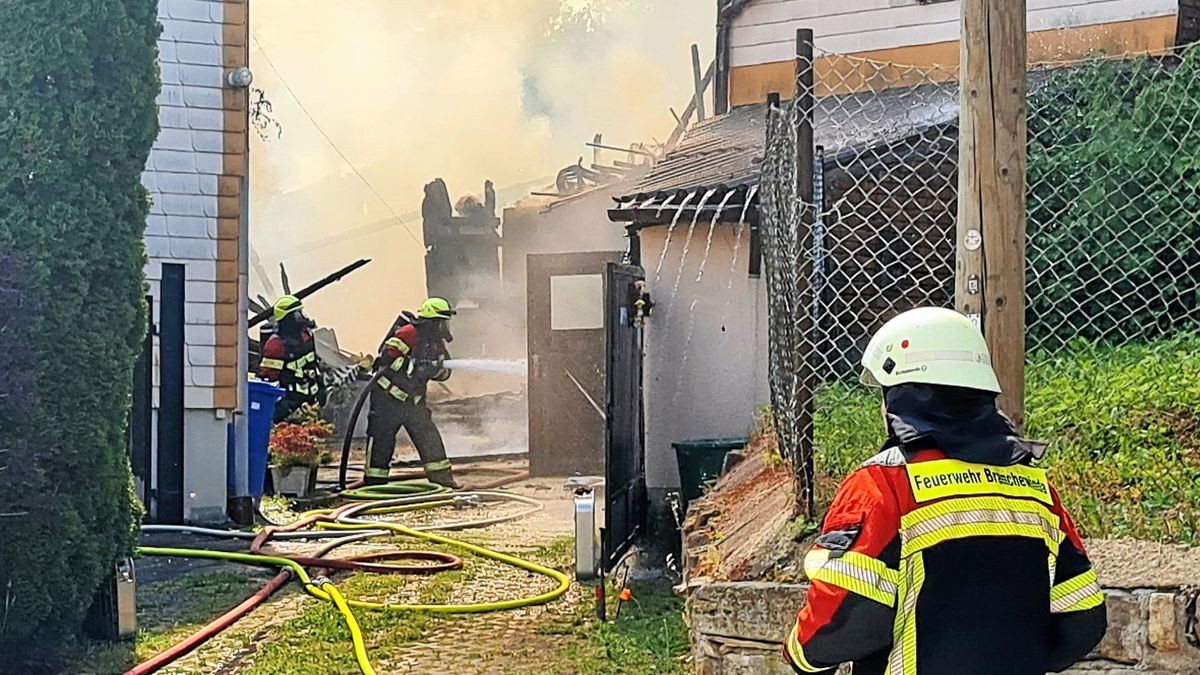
(1114, 203)
(1124, 428)
(78, 80)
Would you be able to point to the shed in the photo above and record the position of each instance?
(886, 181)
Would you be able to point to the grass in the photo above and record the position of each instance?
(318, 641)
(1123, 425)
(648, 636)
(168, 612)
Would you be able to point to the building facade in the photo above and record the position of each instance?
(760, 49)
(196, 176)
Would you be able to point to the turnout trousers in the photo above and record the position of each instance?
(387, 416)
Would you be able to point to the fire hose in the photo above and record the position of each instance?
(507, 475)
(353, 422)
(351, 518)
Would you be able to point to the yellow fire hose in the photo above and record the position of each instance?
(360, 647)
(326, 591)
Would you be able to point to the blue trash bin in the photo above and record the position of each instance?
(263, 397)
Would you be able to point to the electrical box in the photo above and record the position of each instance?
(113, 615)
(587, 526)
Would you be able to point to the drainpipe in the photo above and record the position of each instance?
(243, 506)
(241, 461)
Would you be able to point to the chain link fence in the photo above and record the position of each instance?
(1113, 256)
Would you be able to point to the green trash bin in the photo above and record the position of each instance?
(700, 462)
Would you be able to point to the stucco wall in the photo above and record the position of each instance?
(576, 224)
(706, 344)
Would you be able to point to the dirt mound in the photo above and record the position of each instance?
(744, 529)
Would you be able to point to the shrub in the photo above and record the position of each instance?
(1123, 425)
(1114, 175)
(77, 87)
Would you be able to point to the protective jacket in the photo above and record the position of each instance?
(292, 362)
(410, 358)
(947, 558)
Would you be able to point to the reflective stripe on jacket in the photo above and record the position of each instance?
(403, 353)
(932, 566)
(294, 365)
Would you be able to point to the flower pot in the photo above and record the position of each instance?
(294, 481)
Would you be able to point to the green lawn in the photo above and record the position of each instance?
(1124, 428)
(648, 636)
(168, 612)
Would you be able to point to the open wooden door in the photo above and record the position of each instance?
(567, 366)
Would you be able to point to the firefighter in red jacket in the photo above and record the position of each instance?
(289, 357)
(948, 553)
(410, 358)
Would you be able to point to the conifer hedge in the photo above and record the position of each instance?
(78, 82)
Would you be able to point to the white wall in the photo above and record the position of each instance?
(765, 32)
(711, 385)
(182, 176)
(204, 439)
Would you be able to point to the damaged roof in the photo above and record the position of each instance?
(727, 151)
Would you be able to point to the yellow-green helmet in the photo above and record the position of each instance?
(435, 308)
(284, 306)
(929, 345)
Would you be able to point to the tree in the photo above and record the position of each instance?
(78, 82)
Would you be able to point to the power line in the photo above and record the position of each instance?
(333, 145)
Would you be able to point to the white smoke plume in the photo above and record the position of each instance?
(409, 91)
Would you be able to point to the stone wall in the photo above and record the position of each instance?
(1154, 617)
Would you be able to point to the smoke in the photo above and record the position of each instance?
(403, 92)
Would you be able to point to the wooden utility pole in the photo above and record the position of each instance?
(990, 279)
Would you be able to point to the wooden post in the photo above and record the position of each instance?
(805, 374)
(721, 59)
(990, 279)
(698, 82)
(686, 118)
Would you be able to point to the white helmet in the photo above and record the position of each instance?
(929, 345)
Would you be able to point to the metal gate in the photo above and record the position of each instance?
(625, 456)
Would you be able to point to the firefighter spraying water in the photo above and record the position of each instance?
(413, 355)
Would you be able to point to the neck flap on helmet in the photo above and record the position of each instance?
(964, 424)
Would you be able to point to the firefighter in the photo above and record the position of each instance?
(289, 357)
(410, 358)
(947, 553)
